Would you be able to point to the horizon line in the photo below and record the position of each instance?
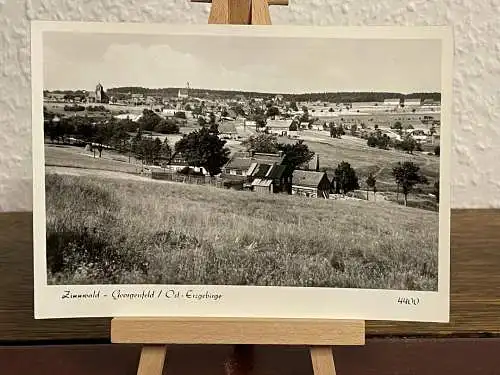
(259, 92)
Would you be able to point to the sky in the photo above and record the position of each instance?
(75, 60)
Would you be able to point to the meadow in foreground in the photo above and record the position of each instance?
(132, 232)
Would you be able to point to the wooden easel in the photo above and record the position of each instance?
(156, 333)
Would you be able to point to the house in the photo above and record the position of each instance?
(129, 116)
(418, 134)
(227, 130)
(167, 112)
(395, 102)
(278, 127)
(250, 123)
(267, 178)
(310, 184)
(150, 100)
(91, 97)
(318, 125)
(178, 163)
(183, 93)
(137, 99)
(240, 162)
(413, 102)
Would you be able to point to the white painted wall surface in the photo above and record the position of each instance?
(476, 112)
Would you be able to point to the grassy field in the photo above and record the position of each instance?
(123, 231)
(77, 157)
(366, 160)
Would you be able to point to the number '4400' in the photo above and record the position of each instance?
(412, 301)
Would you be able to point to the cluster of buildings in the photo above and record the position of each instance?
(267, 173)
(420, 117)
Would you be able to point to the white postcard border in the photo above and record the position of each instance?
(241, 301)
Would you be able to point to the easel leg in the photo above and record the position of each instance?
(152, 360)
(241, 361)
(260, 12)
(322, 360)
(219, 12)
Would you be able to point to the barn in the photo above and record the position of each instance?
(310, 184)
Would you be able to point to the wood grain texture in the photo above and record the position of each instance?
(377, 357)
(237, 331)
(322, 360)
(219, 12)
(475, 284)
(240, 11)
(260, 12)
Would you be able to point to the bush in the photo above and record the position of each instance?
(74, 108)
(437, 150)
(189, 171)
(167, 127)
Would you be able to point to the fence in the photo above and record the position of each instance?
(187, 179)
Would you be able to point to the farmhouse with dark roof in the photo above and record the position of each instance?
(257, 171)
(310, 184)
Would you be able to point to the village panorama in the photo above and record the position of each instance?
(196, 186)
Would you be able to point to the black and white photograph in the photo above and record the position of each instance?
(244, 171)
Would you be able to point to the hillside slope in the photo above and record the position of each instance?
(119, 231)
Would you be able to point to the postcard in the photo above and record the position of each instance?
(241, 171)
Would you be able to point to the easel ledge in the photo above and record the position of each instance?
(236, 331)
(156, 333)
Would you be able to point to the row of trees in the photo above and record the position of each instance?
(105, 131)
(333, 97)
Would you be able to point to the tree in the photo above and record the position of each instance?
(437, 150)
(202, 148)
(167, 126)
(295, 154)
(273, 112)
(397, 125)
(354, 130)
(408, 144)
(371, 183)
(336, 131)
(180, 114)
(165, 151)
(407, 175)
(201, 121)
(265, 143)
(149, 120)
(293, 126)
(379, 140)
(345, 178)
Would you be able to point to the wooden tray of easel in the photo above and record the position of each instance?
(155, 334)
